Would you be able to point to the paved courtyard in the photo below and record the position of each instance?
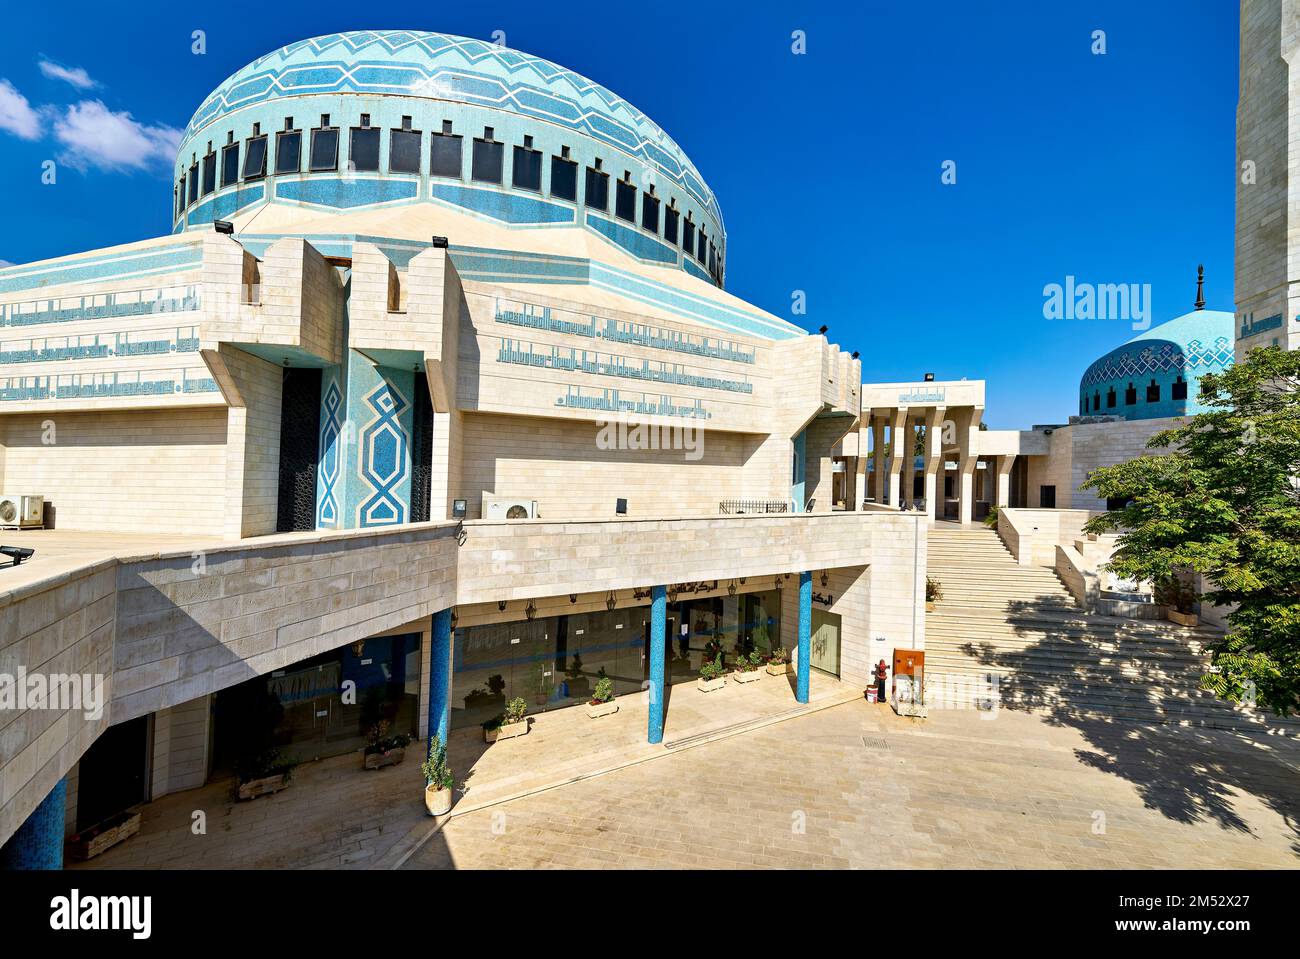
(850, 785)
(856, 786)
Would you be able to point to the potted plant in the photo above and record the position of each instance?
(746, 669)
(542, 685)
(263, 773)
(1179, 601)
(602, 700)
(933, 593)
(382, 749)
(576, 684)
(438, 780)
(711, 677)
(991, 520)
(778, 664)
(104, 835)
(509, 724)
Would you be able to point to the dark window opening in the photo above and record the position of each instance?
(1130, 396)
(564, 178)
(1047, 497)
(444, 154)
(671, 217)
(688, 235)
(488, 161)
(702, 250)
(363, 150)
(404, 149)
(1153, 392)
(597, 193)
(255, 158)
(230, 164)
(625, 201)
(288, 151)
(421, 451)
(299, 446)
(194, 182)
(1179, 389)
(650, 212)
(324, 149)
(1110, 398)
(526, 171)
(209, 174)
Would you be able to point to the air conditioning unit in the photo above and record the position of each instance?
(21, 511)
(504, 507)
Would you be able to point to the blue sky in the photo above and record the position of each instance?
(1116, 168)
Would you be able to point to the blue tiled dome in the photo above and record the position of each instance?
(438, 66)
(1158, 372)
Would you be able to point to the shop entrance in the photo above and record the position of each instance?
(825, 655)
(111, 775)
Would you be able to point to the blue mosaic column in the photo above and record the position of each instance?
(38, 843)
(440, 676)
(805, 637)
(658, 616)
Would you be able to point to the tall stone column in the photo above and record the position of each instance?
(933, 459)
(878, 459)
(658, 622)
(967, 459)
(1003, 495)
(897, 444)
(803, 668)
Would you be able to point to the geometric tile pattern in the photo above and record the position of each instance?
(331, 431)
(415, 63)
(1163, 357)
(384, 457)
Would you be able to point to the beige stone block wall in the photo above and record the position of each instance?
(559, 464)
(62, 626)
(252, 480)
(127, 470)
(1093, 445)
(182, 735)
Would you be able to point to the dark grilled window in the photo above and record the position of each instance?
(489, 158)
(363, 150)
(1179, 389)
(1130, 396)
(526, 172)
(209, 173)
(597, 192)
(230, 164)
(564, 178)
(194, 181)
(404, 149)
(180, 197)
(445, 156)
(625, 201)
(255, 158)
(1110, 398)
(324, 149)
(1153, 392)
(701, 252)
(288, 151)
(688, 235)
(650, 212)
(671, 216)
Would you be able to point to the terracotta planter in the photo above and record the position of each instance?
(929, 606)
(778, 669)
(380, 760)
(106, 835)
(1182, 619)
(508, 731)
(264, 786)
(596, 710)
(709, 685)
(751, 676)
(437, 801)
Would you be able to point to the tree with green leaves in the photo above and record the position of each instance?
(1224, 501)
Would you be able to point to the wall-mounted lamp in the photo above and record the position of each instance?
(780, 583)
(826, 578)
(611, 601)
(223, 226)
(929, 377)
(359, 648)
(530, 611)
(731, 588)
(440, 243)
(501, 605)
(458, 509)
(453, 619)
(573, 597)
(823, 330)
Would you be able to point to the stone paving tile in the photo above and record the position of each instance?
(955, 791)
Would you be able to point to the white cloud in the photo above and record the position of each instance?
(16, 114)
(4, 263)
(92, 135)
(77, 76)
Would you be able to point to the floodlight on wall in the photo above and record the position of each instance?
(223, 226)
(440, 243)
(929, 377)
(458, 507)
(620, 506)
(855, 354)
(823, 330)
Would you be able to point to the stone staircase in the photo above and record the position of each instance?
(1022, 627)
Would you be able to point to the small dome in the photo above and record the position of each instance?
(1157, 373)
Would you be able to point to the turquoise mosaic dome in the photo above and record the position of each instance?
(408, 63)
(1158, 372)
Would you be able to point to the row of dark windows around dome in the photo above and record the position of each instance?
(1178, 391)
(446, 159)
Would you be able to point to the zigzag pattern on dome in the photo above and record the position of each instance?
(1167, 358)
(441, 67)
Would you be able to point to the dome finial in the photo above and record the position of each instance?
(1200, 286)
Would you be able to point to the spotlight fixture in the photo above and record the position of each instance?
(223, 226)
(929, 377)
(501, 605)
(530, 611)
(440, 243)
(855, 354)
(458, 509)
(822, 330)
